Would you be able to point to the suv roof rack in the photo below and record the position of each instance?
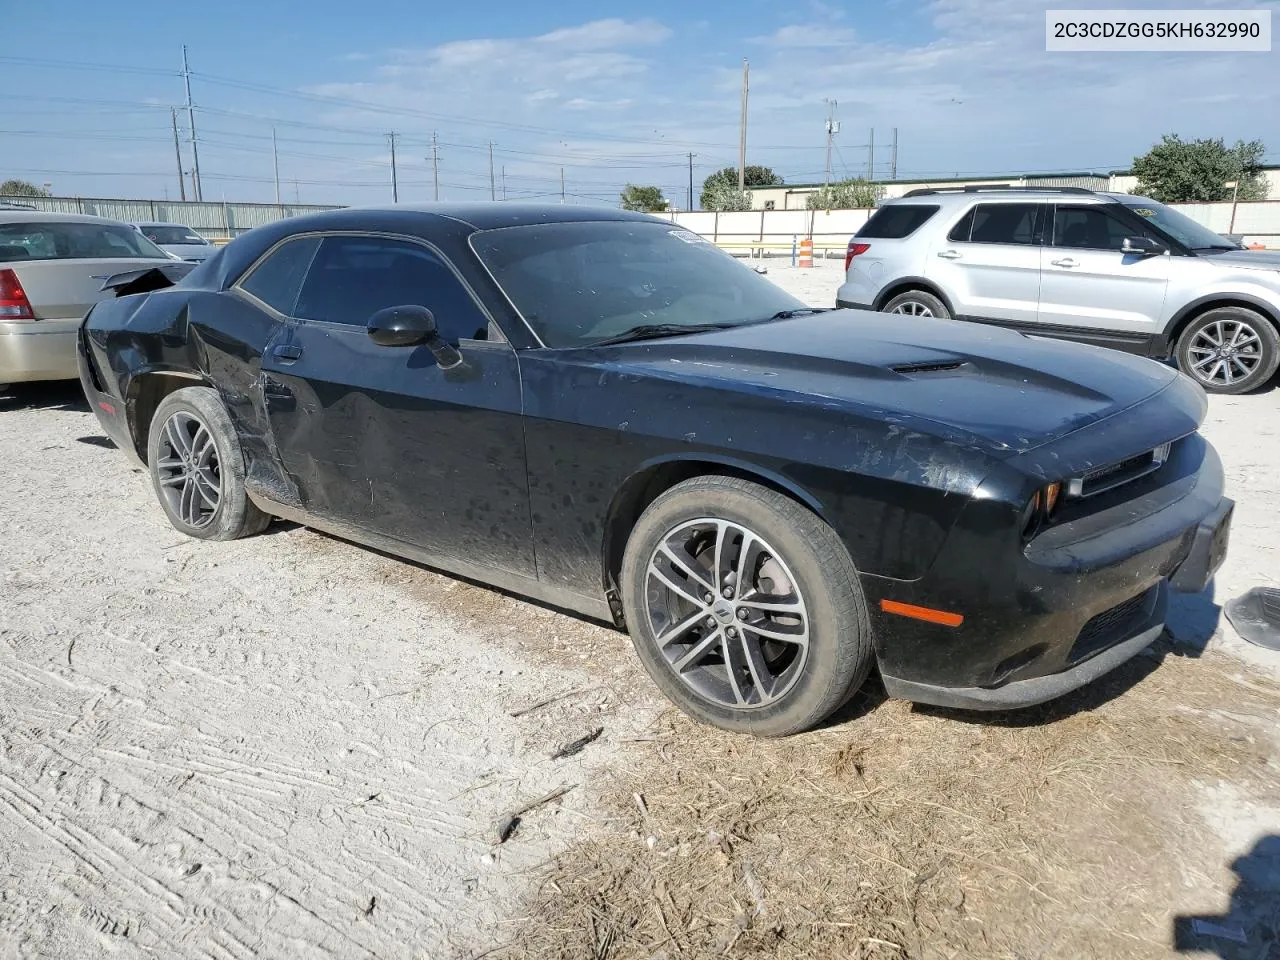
(929, 191)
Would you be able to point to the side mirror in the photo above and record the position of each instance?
(1142, 246)
(408, 326)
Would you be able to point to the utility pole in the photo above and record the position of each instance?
(832, 129)
(871, 155)
(493, 190)
(395, 186)
(893, 163)
(275, 159)
(562, 184)
(690, 181)
(742, 136)
(504, 183)
(191, 122)
(177, 153)
(435, 164)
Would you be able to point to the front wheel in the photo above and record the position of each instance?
(745, 607)
(1229, 350)
(197, 469)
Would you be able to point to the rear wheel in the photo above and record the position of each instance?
(744, 607)
(197, 468)
(917, 303)
(1229, 350)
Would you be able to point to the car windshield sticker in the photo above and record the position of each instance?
(688, 236)
(1144, 212)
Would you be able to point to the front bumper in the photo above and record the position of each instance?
(37, 350)
(1073, 604)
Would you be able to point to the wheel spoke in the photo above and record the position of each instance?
(174, 480)
(672, 584)
(687, 568)
(179, 442)
(680, 628)
(770, 603)
(740, 649)
(766, 629)
(699, 650)
(1238, 362)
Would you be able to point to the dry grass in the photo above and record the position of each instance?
(1068, 831)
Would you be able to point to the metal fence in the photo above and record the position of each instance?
(212, 220)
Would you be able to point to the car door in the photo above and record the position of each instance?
(381, 437)
(989, 263)
(1087, 283)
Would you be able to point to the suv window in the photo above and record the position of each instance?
(1001, 223)
(1091, 227)
(896, 221)
(352, 278)
(276, 280)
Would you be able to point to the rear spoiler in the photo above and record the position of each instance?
(146, 279)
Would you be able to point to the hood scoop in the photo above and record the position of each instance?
(929, 366)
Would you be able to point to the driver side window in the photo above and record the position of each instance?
(1088, 227)
(353, 277)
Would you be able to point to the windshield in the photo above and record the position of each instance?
(580, 283)
(171, 235)
(1181, 227)
(75, 240)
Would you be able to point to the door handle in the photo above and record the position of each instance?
(1065, 262)
(949, 254)
(287, 352)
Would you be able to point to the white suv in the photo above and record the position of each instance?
(1103, 268)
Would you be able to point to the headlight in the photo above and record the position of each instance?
(1040, 508)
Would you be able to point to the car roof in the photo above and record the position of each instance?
(159, 223)
(490, 215)
(45, 216)
(955, 197)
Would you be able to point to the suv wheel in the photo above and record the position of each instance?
(1229, 350)
(744, 607)
(917, 303)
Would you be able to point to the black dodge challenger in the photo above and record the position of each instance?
(604, 412)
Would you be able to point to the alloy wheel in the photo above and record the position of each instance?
(1225, 352)
(912, 308)
(726, 613)
(188, 470)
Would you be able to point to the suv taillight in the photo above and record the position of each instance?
(14, 304)
(854, 249)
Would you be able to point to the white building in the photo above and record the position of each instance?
(795, 196)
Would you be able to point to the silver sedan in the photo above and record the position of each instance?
(52, 268)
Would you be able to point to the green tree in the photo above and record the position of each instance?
(714, 186)
(1182, 171)
(725, 197)
(643, 199)
(21, 188)
(856, 194)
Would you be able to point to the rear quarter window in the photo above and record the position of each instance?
(897, 221)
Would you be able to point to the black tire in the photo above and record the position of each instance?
(1261, 353)
(921, 301)
(839, 653)
(234, 515)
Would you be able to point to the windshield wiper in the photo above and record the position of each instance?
(798, 312)
(653, 331)
(1218, 246)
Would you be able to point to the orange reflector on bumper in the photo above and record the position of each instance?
(922, 613)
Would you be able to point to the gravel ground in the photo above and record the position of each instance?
(292, 746)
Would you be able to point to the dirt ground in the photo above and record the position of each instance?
(290, 746)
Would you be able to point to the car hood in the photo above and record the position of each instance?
(1257, 259)
(977, 385)
(189, 251)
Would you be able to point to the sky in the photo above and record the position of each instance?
(609, 92)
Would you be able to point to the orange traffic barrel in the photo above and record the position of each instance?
(806, 252)
(1256, 246)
